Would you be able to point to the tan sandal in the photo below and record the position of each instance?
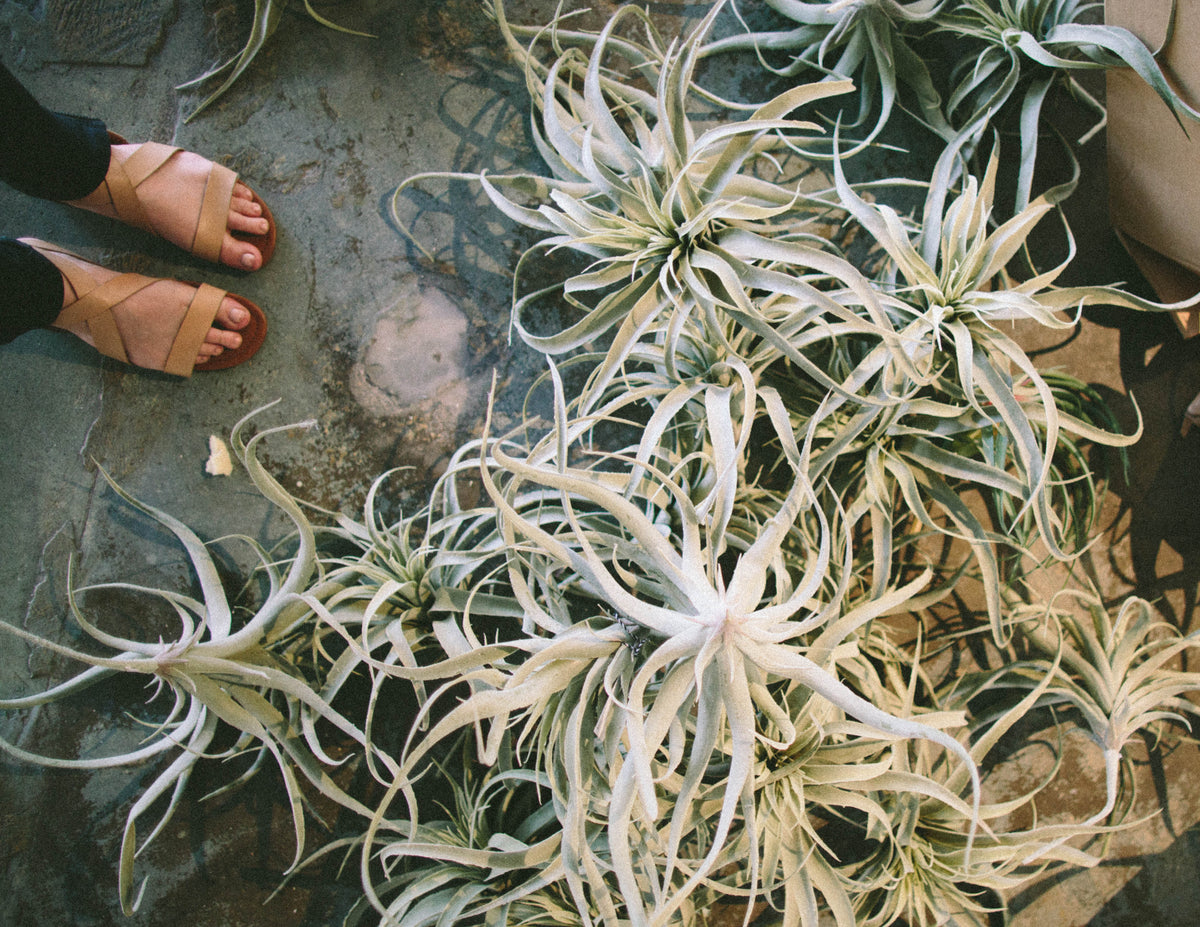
(95, 301)
(119, 193)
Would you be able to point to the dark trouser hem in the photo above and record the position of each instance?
(48, 155)
(32, 294)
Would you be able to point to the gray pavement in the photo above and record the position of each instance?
(391, 357)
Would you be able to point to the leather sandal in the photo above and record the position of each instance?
(95, 301)
(119, 193)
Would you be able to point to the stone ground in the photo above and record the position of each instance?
(391, 356)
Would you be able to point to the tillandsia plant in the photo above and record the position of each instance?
(979, 395)
(669, 215)
(1018, 50)
(593, 564)
(1115, 667)
(912, 872)
(251, 678)
(267, 14)
(1003, 60)
(656, 663)
(868, 41)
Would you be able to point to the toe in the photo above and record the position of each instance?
(246, 213)
(220, 339)
(208, 352)
(232, 315)
(239, 254)
(246, 217)
(251, 225)
(243, 200)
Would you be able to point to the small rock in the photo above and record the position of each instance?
(219, 462)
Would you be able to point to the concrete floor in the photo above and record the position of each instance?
(392, 358)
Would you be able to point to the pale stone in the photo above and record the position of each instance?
(219, 462)
(415, 358)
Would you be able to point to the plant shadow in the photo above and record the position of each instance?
(1160, 372)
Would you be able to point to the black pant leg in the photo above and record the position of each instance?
(52, 156)
(48, 155)
(31, 290)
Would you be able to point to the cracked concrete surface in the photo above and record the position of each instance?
(392, 356)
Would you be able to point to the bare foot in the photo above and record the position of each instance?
(172, 197)
(149, 319)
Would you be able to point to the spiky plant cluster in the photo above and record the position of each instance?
(678, 651)
(1003, 60)
(868, 41)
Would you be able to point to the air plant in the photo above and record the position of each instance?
(829, 808)
(218, 675)
(912, 871)
(872, 42)
(899, 390)
(673, 656)
(449, 869)
(668, 214)
(1116, 670)
(267, 14)
(924, 389)
(1018, 50)
(1006, 58)
(978, 393)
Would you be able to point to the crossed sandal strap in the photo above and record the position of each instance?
(201, 313)
(95, 301)
(124, 178)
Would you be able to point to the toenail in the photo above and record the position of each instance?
(248, 261)
(237, 316)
